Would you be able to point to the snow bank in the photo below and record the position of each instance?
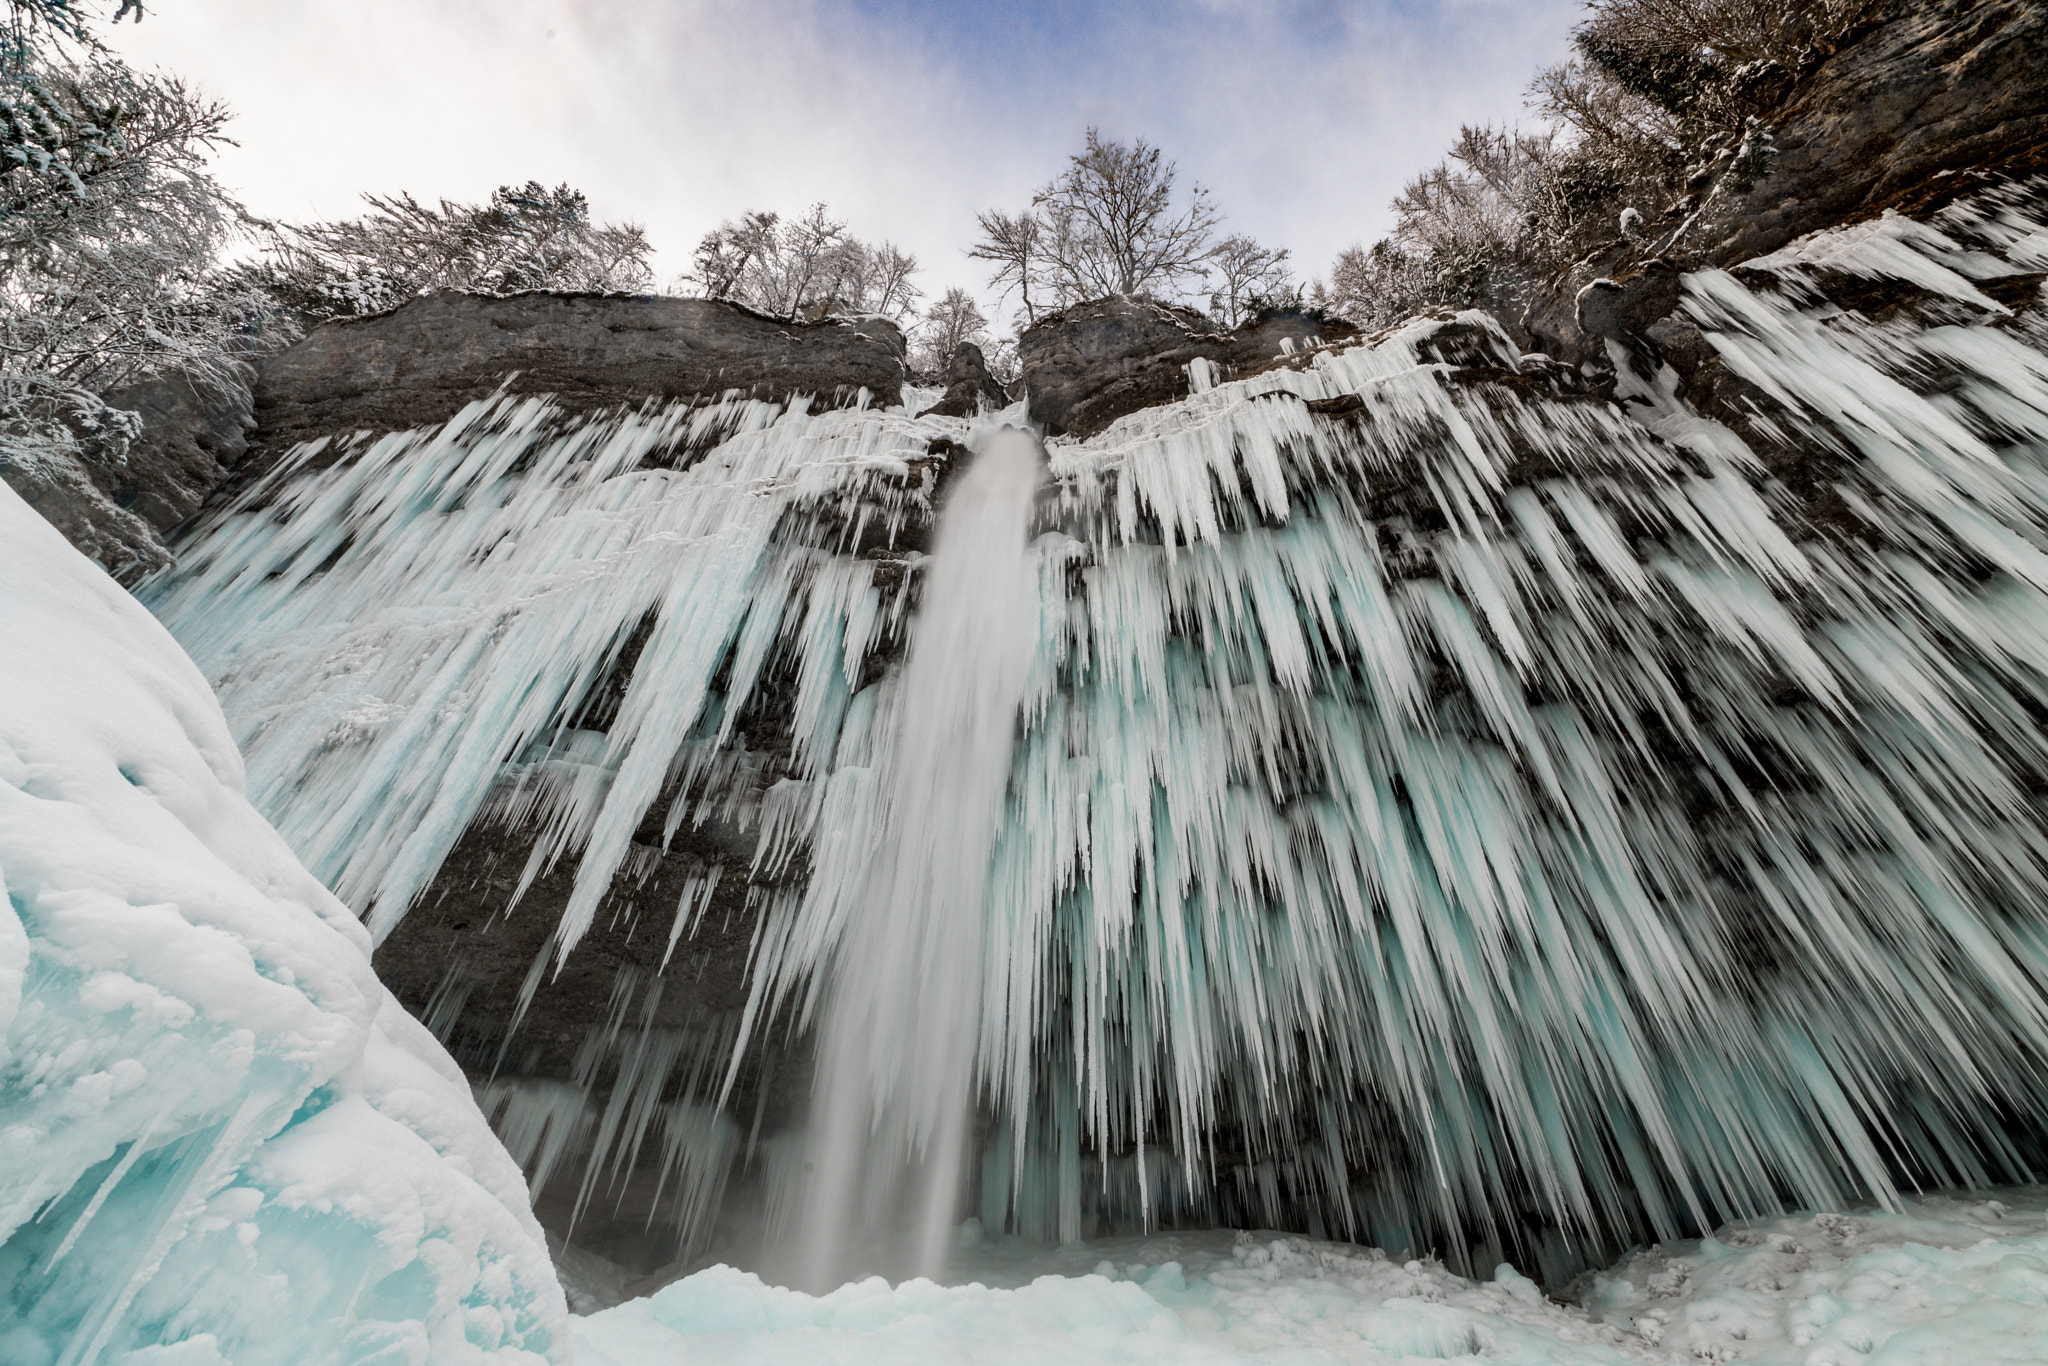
(1942, 1281)
(1189, 1298)
(1962, 1280)
(217, 1130)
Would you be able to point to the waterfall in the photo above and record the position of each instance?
(897, 1048)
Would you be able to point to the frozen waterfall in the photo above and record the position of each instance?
(1448, 808)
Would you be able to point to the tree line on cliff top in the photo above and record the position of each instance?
(116, 260)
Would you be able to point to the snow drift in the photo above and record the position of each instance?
(221, 1140)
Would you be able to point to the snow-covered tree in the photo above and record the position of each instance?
(525, 237)
(1661, 109)
(110, 226)
(1734, 32)
(34, 26)
(806, 267)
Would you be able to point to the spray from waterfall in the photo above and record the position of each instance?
(896, 1053)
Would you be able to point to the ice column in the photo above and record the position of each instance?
(897, 1047)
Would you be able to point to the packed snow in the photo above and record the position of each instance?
(1939, 1282)
(221, 1140)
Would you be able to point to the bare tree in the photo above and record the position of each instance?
(1010, 242)
(1248, 276)
(1110, 224)
(954, 318)
(1118, 225)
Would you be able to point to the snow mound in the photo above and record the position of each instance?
(1207, 1297)
(221, 1140)
(1943, 1282)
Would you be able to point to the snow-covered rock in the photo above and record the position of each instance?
(221, 1140)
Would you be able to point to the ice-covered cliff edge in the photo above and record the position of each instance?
(217, 1129)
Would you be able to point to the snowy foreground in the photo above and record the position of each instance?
(221, 1139)
(1944, 1281)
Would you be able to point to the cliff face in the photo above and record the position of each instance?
(418, 364)
(1924, 102)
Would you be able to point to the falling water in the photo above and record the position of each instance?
(896, 1055)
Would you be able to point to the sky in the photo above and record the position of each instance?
(1303, 117)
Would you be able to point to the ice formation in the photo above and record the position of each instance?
(221, 1140)
(1442, 800)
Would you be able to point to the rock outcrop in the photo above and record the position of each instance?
(1088, 365)
(1934, 92)
(1926, 102)
(193, 435)
(418, 364)
(421, 362)
(969, 385)
(116, 505)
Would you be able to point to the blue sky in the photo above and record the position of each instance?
(906, 116)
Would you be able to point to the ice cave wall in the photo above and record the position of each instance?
(219, 1133)
(1463, 801)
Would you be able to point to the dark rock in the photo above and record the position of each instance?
(193, 436)
(1466, 344)
(1622, 306)
(115, 505)
(1093, 363)
(969, 385)
(420, 363)
(1938, 88)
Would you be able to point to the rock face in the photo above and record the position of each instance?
(420, 363)
(1091, 364)
(1928, 101)
(969, 385)
(192, 436)
(116, 511)
(1938, 88)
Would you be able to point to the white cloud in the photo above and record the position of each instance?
(1304, 116)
